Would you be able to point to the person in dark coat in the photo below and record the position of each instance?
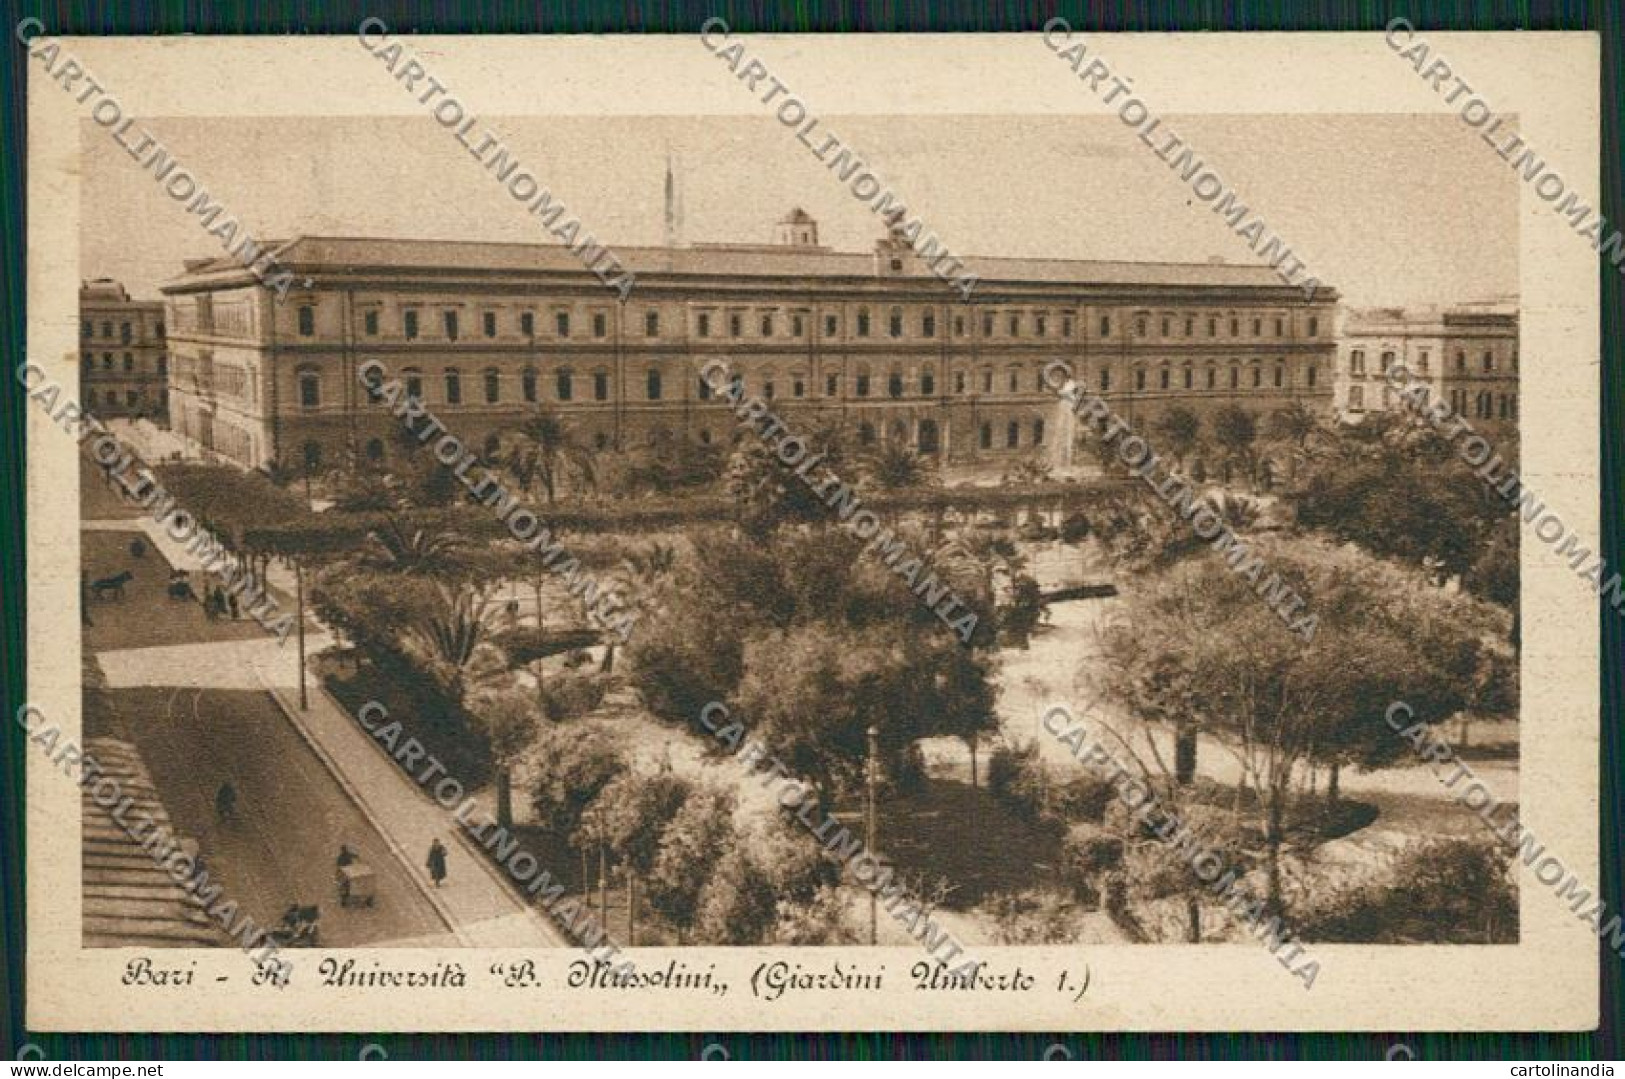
(437, 862)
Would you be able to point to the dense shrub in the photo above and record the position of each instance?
(1446, 891)
(1017, 777)
(567, 695)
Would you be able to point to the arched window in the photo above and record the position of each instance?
(564, 382)
(894, 384)
(1190, 376)
(493, 386)
(863, 381)
(1139, 378)
(1164, 377)
(928, 381)
(1212, 376)
(310, 388)
(1258, 374)
(454, 386)
(527, 385)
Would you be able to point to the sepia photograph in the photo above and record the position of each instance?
(856, 557)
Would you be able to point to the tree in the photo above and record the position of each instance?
(1199, 647)
(631, 816)
(695, 841)
(449, 629)
(543, 449)
(893, 466)
(398, 545)
(738, 904)
(1235, 433)
(1178, 432)
(508, 722)
(643, 572)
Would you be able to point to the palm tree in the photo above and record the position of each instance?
(641, 574)
(1297, 426)
(399, 546)
(893, 466)
(451, 629)
(543, 449)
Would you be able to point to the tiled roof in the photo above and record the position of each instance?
(313, 253)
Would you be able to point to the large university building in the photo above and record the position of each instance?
(1467, 356)
(123, 368)
(486, 333)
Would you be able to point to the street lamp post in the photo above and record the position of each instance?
(869, 836)
(299, 594)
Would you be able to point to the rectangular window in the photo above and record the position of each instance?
(1105, 378)
(1040, 325)
(1012, 435)
(832, 326)
(987, 325)
(1066, 326)
(1015, 325)
(959, 325)
(450, 318)
(85, 329)
(832, 385)
(702, 325)
(1190, 327)
(1314, 326)
(1356, 398)
(527, 324)
(561, 323)
(1038, 432)
(454, 388)
(310, 390)
(798, 327)
(489, 319)
(600, 385)
(651, 324)
(409, 324)
(124, 332)
(1258, 327)
(307, 321)
(654, 385)
(369, 322)
(1105, 326)
(493, 388)
(600, 324)
(736, 326)
(895, 324)
(1235, 327)
(1280, 327)
(863, 385)
(928, 325)
(767, 325)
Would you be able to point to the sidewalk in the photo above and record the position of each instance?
(482, 906)
(485, 910)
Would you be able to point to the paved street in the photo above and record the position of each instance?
(291, 814)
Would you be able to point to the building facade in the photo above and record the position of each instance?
(1467, 356)
(487, 333)
(123, 362)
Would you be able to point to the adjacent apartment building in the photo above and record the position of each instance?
(486, 333)
(1468, 356)
(123, 365)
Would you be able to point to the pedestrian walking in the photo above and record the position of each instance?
(231, 605)
(437, 862)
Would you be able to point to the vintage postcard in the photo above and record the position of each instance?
(1054, 531)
